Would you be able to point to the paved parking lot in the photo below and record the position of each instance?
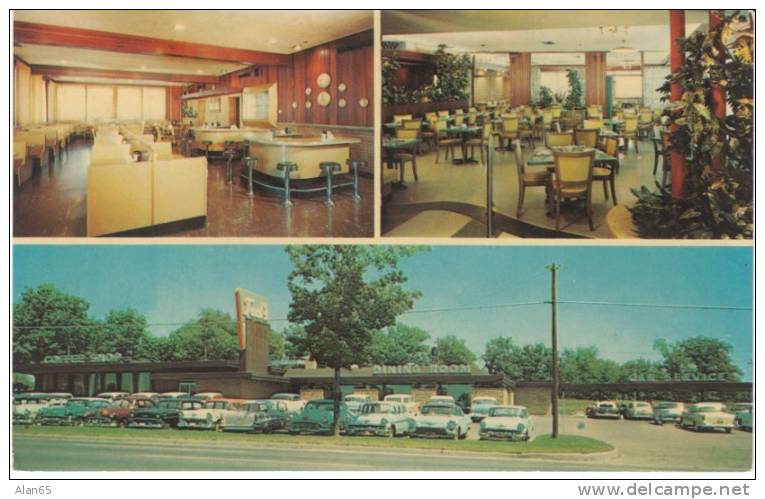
(666, 447)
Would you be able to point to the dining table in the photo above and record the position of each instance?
(464, 132)
(544, 157)
(391, 146)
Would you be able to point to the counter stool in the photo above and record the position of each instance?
(329, 168)
(355, 164)
(287, 167)
(207, 144)
(250, 164)
(229, 154)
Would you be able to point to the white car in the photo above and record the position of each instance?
(27, 405)
(354, 402)
(441, 398)
(506, 422)
(292, 401)
(173, 395)
(441, 419)
(382, 419)
(112, 396)
(407, 400)
(148, 395)
(208, 395)
(256, 416)
(707, 416)
(209, 417)
(480, 407)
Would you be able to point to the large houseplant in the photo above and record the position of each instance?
(452, 78)
(718, 187)
(574, 97)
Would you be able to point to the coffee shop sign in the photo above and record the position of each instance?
(426, 369)
(77, 359)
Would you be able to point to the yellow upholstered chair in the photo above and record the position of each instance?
(592, 123)
(558, 139)
(481, 141)
(587, 137)
(400, 158)
(573, 180)
(645, 123)
(443, 139)
(412, 124)
(528, 179)
(459, 119)
(607, 173)
(510, 129)
(399, 118)
(629, 132)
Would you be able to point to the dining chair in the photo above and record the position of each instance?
(573, 180)
(607, 173)
(510, 130)
(539, 178)
(558, 139)
(401, 158)
(399, 118)
(587, 137)
(459, 119)
(629, 132)
(645, 123)
(593, 123)
(443, 139)
(481, 141)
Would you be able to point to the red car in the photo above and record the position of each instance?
(118, 413)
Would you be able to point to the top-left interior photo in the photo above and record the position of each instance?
(193, 124)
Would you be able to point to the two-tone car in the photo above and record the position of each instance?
(317, 418)
(112, 396)
(119, 412)
(480, 407)
(412, 407)
(636, 409)
(506, 422)
(292, 401)
(667, 411)
(204, 396)
(73, 412)
(257, 416)
(355, 401)
(382, 419)
(164, 414)
(441, 419)
(26, 407)
(173, 395)
(707, 416)
(209, 416)
(743, 413)
(603, 409)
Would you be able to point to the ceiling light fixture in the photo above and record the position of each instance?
(297, 47)
(623, 49)
(272, 41)
(179, 27)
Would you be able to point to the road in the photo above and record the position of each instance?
(641, 447)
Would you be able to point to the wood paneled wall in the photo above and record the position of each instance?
(595, 78)
(173, 103)
(520, 79)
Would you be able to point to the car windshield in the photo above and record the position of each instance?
(484, 402)
(168, 404)
(319, 406)
(704, 408)
(256, 407)
(191, 404)
(667, 405)
(355, 398)
(377, 409)
(642, 404)
(508, 412)
(213, 404)
(438, 410)
(606, 406)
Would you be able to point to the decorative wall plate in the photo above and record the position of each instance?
(323, 80)
(294, 104)
(308, 91)
(363, 102)
(341, 87)
(308, 104)
(341, 103)
(323, 99)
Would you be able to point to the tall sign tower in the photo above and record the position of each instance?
(253, 329)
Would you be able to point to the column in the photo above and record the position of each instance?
(677, 57)
(595, 78)
(520, 79)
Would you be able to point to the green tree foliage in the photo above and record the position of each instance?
(642, 370)
(452, 79)
(400, 344)
(121, 331)
(48, 321)
(341, 295)
(211, 336)
(452, 350)
(698, 358)
(531, 362)
(574, 97)
(584, 365)
(295, 346)
(546, 98)
(276, 345)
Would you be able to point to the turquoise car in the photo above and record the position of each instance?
(382, 419)
(743, 412)
(316, 418)
(73, 412)
(441, 419)
(668, 411)
(26, 407)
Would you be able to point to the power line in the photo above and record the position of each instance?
(654, 305)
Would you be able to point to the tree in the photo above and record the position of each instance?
(400, 344)
(276, 345)
(698, 358)
(584, 365)
(531, 362)
(123, 332)
(341, 295)
(211, 336)
(574, 97)
(452, 350)
(159, 349)
(641, 370)
(294, 342)
(48, 321)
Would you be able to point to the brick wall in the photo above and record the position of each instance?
(422, 395)
(536, 399)
(312, 394)
(501, 394)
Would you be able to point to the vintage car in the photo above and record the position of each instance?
(293, 401)
(480, 407)
(441, 419)
(382, 419)
(506, 422)
(147, 395)
(317, 418)
(164, 414)
(707, 416)
(119, 412)
(72, 412)
(667, 411)
(354, 401)
(112, 396)
(208, 395)
(412, 407)
(603, 409)
(743, 413)
(441, 398)
(257, 416)
(60, 395)
(209, 416)
(173, 395)
(26, 407)
(636, 409)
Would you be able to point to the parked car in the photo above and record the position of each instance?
(382, 419)
(636, 409)
(292, 400)
(26, 407)
(72, 412)
(603, 409)
(506, 422)
(119, 412)
(174, 395)
(441, 398)
(148, 395)
(164, 414)
(318, 418)
(257, 416)
(480, 407)
(412, 407)
(707, 416)
(441, 419)
(667, 411)
(209, 416)
(60, 395)
(744, 413)
(354, 402)
(112, 396)
(208, 395)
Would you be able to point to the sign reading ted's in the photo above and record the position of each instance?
(249, 306)
(426, 369)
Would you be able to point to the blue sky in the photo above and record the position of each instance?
(170, 283)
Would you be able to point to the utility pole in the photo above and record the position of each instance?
(555, 377)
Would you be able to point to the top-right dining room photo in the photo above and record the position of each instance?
(567, 124)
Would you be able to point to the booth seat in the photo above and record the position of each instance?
(109, 153)
(127, 196)
(22, 168)
(35, 140)
(163, 150)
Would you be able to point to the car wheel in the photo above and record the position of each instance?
(456, 434)
(267, 428)
(463, 436)
(122, 423)
(728, 430)
(218, 426)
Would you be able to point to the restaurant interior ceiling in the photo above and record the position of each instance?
(270, 32)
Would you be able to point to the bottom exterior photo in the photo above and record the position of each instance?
(382, 358)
